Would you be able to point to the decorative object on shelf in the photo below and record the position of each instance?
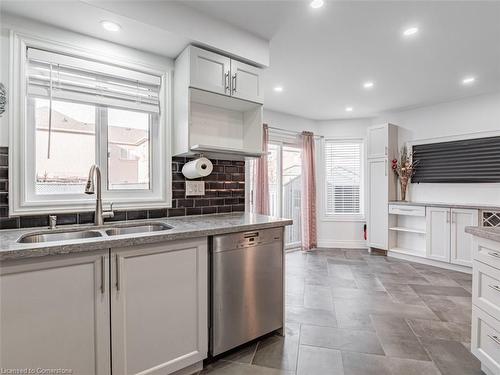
(3, 98)
(404, 168)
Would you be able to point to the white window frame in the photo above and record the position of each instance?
(338, 216)
(22, 199)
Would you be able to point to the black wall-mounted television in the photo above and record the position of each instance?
(464, 161)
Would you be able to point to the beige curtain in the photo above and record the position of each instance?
(261, 183)
(308, 193)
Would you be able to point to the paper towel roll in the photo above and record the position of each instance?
(197, 168)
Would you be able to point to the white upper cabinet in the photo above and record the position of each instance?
(210, 71)
(382, 141)
(246, 82)
(217, 106)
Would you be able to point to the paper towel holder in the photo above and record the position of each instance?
(203, 166)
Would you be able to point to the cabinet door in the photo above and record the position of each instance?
(210, 71)
(55, 313)
(159, 307)
(378, 141)
(438, 233)
(461, 242)
(378, 203)
(246, 82)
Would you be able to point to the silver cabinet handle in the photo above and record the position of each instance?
(226, 82)
(103, 283)
(448, 217)
(495, 287)
(496, 255)
(234, 82)
(386, 150)
(495, 339)
(117, 272)
(385, 169)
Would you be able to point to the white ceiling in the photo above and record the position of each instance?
(321, 57)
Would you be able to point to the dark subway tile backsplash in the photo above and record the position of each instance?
(224, 193)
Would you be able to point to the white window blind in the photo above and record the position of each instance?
(56, 76)
(343, 175)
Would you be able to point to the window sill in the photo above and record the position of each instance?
(344, 218)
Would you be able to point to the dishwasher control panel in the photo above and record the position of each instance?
(246, 239)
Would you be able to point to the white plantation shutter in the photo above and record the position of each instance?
(343, 177)
(81, 80)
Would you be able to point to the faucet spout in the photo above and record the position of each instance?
(90, 188)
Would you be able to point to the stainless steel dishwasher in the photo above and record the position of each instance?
(247, 287)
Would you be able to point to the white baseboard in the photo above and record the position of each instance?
(345, 244)
(430, 262)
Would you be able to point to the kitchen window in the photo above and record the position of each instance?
(80, 111)
(343, 194)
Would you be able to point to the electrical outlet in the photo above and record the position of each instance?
(195, 188)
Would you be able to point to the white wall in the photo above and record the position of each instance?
(471, 117)
(102, 48)
(345, 233)
(288, 122)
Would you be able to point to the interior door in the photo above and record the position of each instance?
(159, 307)
(461, 242)
(210, 71)
(246, 82)
(54, 313)
(438, 233)
(378, 212)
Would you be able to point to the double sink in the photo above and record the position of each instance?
(54, 235)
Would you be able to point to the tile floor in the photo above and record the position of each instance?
(349, 312)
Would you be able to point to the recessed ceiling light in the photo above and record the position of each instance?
(410, 31)
(348, 109)
(316, 4)
(110, 26)
(278, 89)
(368, 85)
(468, 80)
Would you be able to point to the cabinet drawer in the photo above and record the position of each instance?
(485, 340)
(487, 251)
(399, 209)
(486, 288)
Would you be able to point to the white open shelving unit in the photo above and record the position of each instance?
(407, 232)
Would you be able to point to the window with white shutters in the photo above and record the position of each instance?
(343, 178)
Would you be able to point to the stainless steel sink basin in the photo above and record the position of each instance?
(58, 236)
(139, 228)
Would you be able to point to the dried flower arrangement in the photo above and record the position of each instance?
(404, 169)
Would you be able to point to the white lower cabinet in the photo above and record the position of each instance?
(461, 242)
(54, 313)
(378, 182)
(446, 237)
(132, 310)
(438, 233)
(159, 307)
(485, 337)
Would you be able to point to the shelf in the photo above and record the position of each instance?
(222, 101)
(225, 150)
(408, 230)
(413, 252)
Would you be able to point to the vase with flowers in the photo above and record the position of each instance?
(404, 168)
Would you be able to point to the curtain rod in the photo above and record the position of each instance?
(290, 131)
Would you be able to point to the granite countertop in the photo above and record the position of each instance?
(182, 227)
(445, 205)
(490, 233)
